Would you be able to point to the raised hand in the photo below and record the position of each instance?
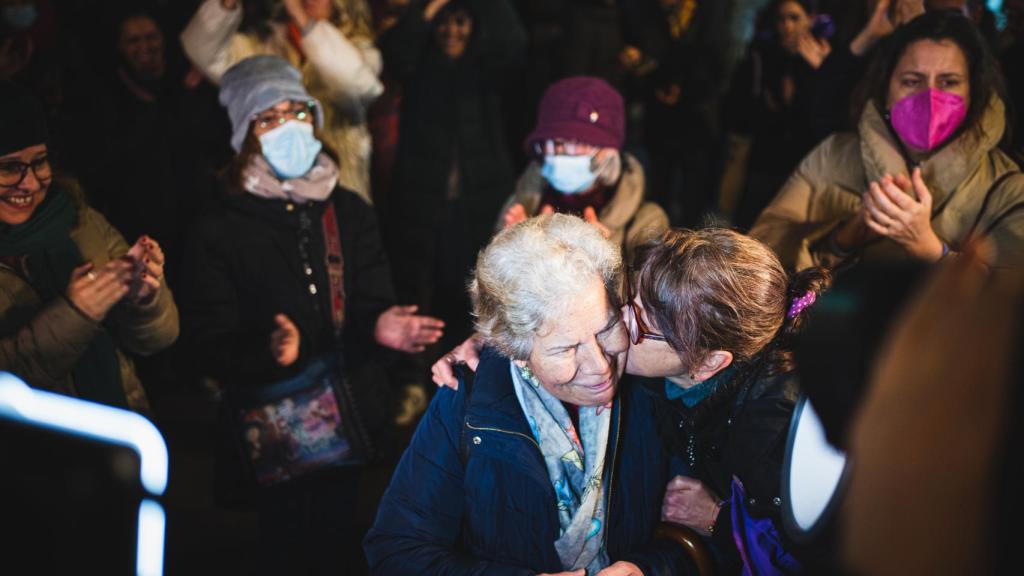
(94, 292)
(400, 328)
(433, 7)
(514, 215)
(590, 215)
(297, 12)
(284, 341)
(813, 50)
(894, 212)
(148, 260)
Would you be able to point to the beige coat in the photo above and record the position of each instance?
(630, 219)
(42, 341)
(342, 73)
(826, 189)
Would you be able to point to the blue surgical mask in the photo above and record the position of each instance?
(291, 149)
(20, 16)
(568, 174)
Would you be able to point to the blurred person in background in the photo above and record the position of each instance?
(75, 298)
(330, 41)
(929, 145)
(823, 100)
(769, 104)
(270, 291)
(674, 59)
(156, 130)
(580, 168)
(454, 168)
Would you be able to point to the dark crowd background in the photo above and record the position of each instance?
(720, 109)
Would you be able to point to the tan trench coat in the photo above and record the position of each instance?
(630, 219)
(826, 189)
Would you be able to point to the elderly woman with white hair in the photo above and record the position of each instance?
(537, 464)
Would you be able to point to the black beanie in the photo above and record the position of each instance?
(22, 119)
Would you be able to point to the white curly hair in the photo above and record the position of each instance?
(529, 273)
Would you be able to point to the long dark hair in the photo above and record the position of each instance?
(984, 76)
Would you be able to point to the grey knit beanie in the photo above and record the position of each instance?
(256, 84)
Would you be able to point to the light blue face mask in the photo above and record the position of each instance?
(20, 16)
(291, 149)
(569, 174)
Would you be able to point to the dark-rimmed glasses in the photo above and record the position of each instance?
(638, 330)
(12, 172)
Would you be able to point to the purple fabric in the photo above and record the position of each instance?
(927, 119)
(582, 109)
(757, 540)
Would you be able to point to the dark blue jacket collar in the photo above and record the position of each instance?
(492, 398)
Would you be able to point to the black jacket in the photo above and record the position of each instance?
(244, 266)
(741, 433)
(452, 113)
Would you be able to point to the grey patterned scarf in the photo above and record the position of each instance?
(258, 178)
(575, 464)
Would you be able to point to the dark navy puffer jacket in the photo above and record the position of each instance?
(471, 495)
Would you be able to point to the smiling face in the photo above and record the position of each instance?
(19, 200)
(141, 46)
(929, 64)
(579, 355)
(453, 32)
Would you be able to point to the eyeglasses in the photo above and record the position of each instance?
(638, 330)
(566, 147)
(298, 111)
(12, 172)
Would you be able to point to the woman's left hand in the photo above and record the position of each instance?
(814, 50)
(688, 502)
(621, 568)
(149, 260)
(400, 328)
(590, 215)
(894, 213)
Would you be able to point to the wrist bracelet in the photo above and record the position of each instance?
(711, 527)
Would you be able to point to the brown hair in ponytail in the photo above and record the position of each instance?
(816, 281)
(717, 289)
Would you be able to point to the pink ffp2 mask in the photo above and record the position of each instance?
(927, 119)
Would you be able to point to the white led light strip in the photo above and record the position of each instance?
(21, 403)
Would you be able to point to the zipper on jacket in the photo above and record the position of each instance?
(611, 476)
(611, 472)
(471, 427)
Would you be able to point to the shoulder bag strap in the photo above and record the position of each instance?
(335, 262)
